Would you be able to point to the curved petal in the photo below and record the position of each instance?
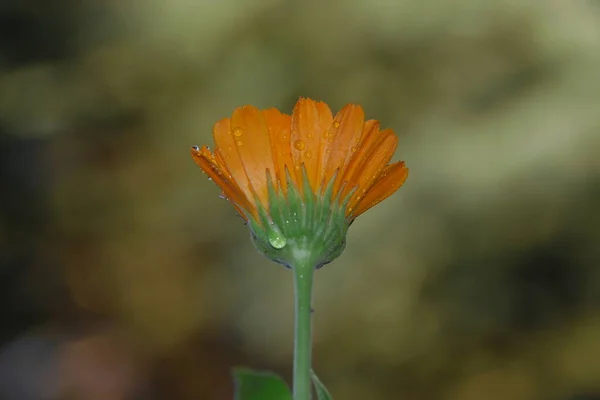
(345, 133)
(251, 135)
(392, 178)
(206, 161)
(359, 157)
(279, 130)
(310, 120)
(372, 164)
(226, 148)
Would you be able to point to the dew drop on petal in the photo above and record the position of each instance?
(299, 145)
(239, 143)
(238, 132)
(307, 154)
(196, 148)
(353, 149)
(336, 124)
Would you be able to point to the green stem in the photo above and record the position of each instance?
(303, 282)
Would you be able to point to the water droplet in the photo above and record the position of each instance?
(353, 149)
(196, 148)
(309, 135)
(308, 154)
(299, 145)
(209, 178)
(330, 140)
(239, 143)
(238, 132)
(336, 124)
(276, 238)
(326, 135)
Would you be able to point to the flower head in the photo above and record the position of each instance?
(300, 180)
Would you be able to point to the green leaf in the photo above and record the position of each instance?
(255, 385)
(322, 393)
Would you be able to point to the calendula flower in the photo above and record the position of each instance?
(299, 181)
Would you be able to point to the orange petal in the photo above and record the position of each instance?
(251, 135)
(391, 179)
(359, 157)
(310, 120)
(227, 150)
(206, 161)
(279, 130)
(345, 134)
(217, 159)
(371, 164)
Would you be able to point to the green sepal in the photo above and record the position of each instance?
(322, 392)
(301, 224)
(255, 385)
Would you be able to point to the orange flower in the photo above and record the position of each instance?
(253, 144)
(261, 156)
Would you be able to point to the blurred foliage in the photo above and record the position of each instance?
(125, 276)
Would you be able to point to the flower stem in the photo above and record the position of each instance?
(303, 282)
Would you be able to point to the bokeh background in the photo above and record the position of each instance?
(124, 276)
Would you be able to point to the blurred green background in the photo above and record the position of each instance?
(124, 276)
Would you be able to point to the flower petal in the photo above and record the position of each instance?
(360, 157)
(206, 161)
(372, 163)
(391, 179)
(310, 120)
(251, 135)
(226, 148)
(279, 131)
(345, 134)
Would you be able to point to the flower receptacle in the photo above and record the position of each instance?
(302, 226)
